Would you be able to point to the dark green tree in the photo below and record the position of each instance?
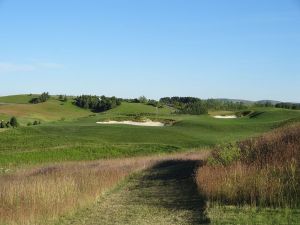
(14, 122)
(143, 99)
(42, 98)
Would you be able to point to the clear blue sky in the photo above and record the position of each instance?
(247, 49)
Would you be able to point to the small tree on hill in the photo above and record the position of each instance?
(13, 122)
(35, 123)
(42, 98)
(143, 99)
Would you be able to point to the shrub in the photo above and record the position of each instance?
(143, 99)
(13, 122)
(42, 98)
(63, 98)
(225, 154)
(36, 122)
(2, 124)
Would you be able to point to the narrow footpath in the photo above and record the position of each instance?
(165, 194)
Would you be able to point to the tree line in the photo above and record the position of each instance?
(96, 103)
(283, 105)
(287, 105)
(144, 100)
(197, 106)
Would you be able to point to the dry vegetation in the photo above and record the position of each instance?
(263, 171)
(33, 196)
(47, 192)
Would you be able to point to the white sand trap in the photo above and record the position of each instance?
(145, 124)
(226, 117)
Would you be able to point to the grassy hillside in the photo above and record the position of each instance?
(69, 133)
(51, 110)
(18, 99)
(255, 181)
(138, 108)
(83, 139)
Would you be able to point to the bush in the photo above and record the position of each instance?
(42, 98)
(8, 124)
(143, 99)
(225, 155)
(36, 122)
(2, 124)
(63, 98)
(13, 122)
(153, 103)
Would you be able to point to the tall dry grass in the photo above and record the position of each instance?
(30, 196)
(265, 171)
(37, 195)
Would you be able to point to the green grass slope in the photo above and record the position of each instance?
(18, 99)
(83, 139)
(52, 110)
(138, 108)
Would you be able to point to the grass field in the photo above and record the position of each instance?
(17, 99)
(164, 194)
(80, 138)
(52, 110)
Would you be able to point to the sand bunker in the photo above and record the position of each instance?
(226, 117)
(133, 123)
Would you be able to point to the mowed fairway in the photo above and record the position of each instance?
(80, 138)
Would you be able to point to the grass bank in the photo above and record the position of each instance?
(83, 139)
(258, 178)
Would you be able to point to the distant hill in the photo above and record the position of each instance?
(272, 102)
(248, 102)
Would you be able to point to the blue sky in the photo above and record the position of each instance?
(246, 49)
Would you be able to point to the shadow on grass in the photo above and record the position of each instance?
(171, 184)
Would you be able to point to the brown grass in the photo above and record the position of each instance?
(47, 192)
(265, 174)
(36, 195)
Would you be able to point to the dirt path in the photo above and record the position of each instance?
(164, 195)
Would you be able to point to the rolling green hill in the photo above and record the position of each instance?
(71, 133)
(52, 110)
(18, 99)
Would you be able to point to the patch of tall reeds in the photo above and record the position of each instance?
(262, 171)
(35, 195)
